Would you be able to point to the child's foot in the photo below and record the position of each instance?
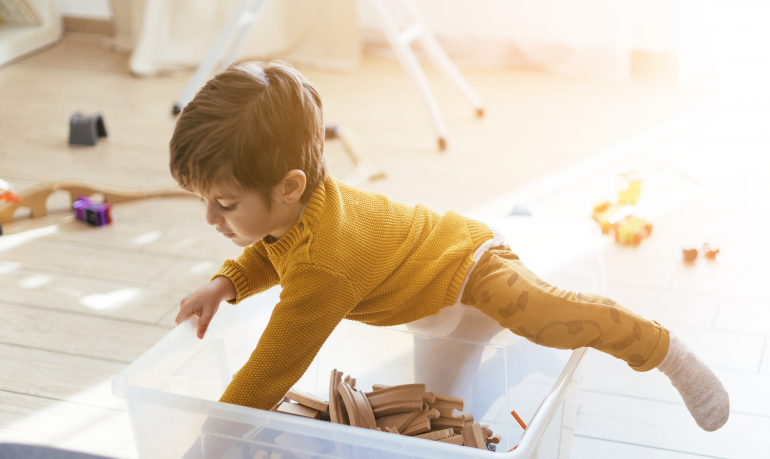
(702, 392)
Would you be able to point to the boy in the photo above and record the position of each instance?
(251, 145)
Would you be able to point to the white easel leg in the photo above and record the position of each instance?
(439, 58)
(208, 65)
(245, 25)
(412, 67)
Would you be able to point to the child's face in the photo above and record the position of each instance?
(243, 216)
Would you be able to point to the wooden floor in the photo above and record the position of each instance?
(81, 303)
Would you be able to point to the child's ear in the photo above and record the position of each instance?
(293, 186)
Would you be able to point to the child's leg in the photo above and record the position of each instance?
(505, 290)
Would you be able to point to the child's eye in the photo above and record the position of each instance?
(225, 208)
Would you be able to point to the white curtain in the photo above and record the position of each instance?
(584, 38)
(166, 35)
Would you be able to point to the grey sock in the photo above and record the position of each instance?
(702, 392)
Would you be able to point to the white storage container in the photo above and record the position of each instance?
(173, 388)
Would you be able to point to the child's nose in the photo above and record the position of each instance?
(212, 216)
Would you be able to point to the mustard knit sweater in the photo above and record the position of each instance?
(352, 254)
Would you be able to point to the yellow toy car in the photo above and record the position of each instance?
(632, 230)
(617, 219)
(631, 194)
(610, 215)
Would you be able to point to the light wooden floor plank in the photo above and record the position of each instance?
(110, 340)
(18, 165)
(666, 307)
(19, 183)
(188, 274)
(78, 259)
(594, 448)
(669, 426)
(605, 374)
(94, 91)
(136, 133)
(743, 317)
(745, 284)
(734, 351)
(81, 51)
(89, 296)
(626, 266)
(59, 104)
(107, 152)
(59, 377)
(184, 212)
(139, 236)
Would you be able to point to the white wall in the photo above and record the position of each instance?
(96, 9)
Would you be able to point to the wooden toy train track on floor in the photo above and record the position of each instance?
(35, 197)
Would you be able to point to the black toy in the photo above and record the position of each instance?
(86, 130)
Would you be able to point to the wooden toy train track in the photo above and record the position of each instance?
(407, 409)
(35, 197)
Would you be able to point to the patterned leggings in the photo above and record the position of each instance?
(505, 290)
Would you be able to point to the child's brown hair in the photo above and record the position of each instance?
(248, 127)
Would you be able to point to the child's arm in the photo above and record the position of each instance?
(251, 273)
(204, 302)
(313, 302)
(237, 279)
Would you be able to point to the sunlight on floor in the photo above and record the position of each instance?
(109, 301)
(15, 240)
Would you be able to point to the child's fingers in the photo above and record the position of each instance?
(203, 323)
(184, 313)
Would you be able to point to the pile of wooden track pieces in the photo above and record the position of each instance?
(407, 409)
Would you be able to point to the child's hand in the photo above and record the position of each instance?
(204, 302)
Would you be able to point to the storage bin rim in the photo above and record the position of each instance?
(354, 436)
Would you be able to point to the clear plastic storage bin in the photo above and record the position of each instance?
(172, 390)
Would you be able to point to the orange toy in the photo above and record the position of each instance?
(710, 252)
(7, 196)
(521, 423)
(689, 255)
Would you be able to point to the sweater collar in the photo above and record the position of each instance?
(302, 226)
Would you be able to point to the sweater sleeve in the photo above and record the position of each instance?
(251, 273)
(313, 302)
